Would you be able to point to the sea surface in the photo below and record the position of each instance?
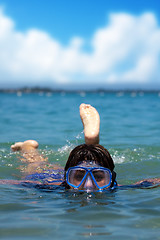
(130, 130)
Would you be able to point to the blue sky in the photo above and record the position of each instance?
(71, 43)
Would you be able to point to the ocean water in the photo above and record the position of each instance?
(130, 130)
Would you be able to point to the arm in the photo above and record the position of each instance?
(153, 181)
(146, 183)
(26, 182)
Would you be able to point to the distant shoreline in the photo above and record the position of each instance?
(28, 90)
(44, 90)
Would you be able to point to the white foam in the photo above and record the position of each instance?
(119, 159)
(66, 148)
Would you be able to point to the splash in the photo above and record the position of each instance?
(69, 146)
(66, 149)
(136, 154)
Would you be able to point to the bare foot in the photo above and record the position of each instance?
(26, 146)
(91, 123)
(29, 154)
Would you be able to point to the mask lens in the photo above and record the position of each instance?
(102, 177)
(75, 176)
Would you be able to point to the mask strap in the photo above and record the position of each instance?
(113, 178)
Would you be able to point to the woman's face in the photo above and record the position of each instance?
(88, 176)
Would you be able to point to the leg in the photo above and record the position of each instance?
(91, 123)
(30, 155)
(29, 151)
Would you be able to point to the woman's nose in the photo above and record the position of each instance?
(88, 183)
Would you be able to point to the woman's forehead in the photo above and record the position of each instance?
(88, 164)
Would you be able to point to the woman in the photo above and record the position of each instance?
(89, 167)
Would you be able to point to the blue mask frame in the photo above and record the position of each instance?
(88, 170)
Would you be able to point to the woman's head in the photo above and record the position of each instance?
(96, 154)
(87, 153)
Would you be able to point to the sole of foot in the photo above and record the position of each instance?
(91, 123)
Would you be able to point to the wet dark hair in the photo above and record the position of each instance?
(96, 153)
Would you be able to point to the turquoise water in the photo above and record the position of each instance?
(130, 130)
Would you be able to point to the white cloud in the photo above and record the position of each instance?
(126, 50)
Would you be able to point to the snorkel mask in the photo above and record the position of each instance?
(89, 177)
